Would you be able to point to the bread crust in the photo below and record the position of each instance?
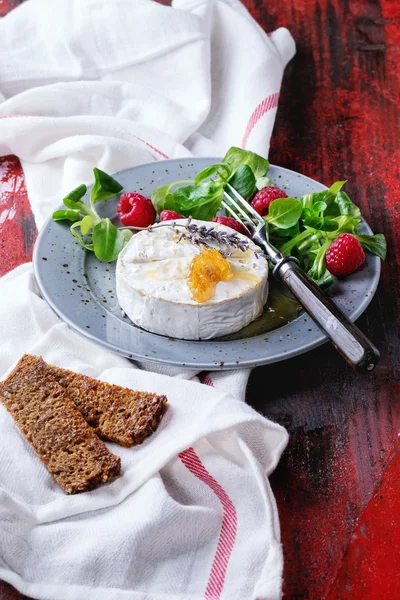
(69, 448)
(117, 414)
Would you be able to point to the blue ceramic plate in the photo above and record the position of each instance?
(81, 289)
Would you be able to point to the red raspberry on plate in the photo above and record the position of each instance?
(169, 215)
(264, 197)
(135, 210)
(344, 256)
(232, 223)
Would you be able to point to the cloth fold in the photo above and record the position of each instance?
(114, 85)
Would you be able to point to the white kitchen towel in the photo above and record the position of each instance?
(192, 515)
(114, 84)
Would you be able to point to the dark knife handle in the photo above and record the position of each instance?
(355, 347)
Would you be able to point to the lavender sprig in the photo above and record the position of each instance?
(209, 237)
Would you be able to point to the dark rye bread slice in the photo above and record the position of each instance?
(118, 414)
(78, 460)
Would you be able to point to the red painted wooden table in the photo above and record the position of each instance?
(336, 486)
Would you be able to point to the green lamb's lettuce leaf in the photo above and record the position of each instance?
(336, 187)
(159, 195)
(200, 202)
(244, 181)
(346, 206)
(237, 156)
(263, 182)
(93, 233)
(376, 244)
(86, 224)
(307, 200)
(330, 195)
(318, 271)
(346, 224)
(307, 242)
(321, 223)
(66, 215)
(222, 169)
(202, 198)
(318, 207)
(284, 212)
(318, 268)
(127, 233)
(76, 234)
(105, 187)
(73, 200)
(290, 232)
(108, 241)
(80, 206)
(327, 197)
(325, 280)
(76, 194)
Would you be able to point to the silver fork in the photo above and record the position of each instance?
(355, 347)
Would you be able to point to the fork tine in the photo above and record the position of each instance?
(238, 209)
(250, 230)
(246, 204)
(252, 227)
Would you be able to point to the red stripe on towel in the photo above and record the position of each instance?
(229, 523)
(152, 147)
(206, 379)
(267, 104)
(136, 136)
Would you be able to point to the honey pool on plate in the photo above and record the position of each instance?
(279, 310)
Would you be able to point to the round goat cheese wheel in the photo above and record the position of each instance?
(153, 290)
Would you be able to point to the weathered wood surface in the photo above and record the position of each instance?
(338, 119)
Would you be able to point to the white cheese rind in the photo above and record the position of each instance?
(153, 291)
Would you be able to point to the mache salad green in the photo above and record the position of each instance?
(303, 227)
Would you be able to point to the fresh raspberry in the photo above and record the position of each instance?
(135, 210)
(264, 197)
(230, 222)
(344, 256)
(170, 215)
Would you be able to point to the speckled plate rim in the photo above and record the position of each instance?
(282, 334)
